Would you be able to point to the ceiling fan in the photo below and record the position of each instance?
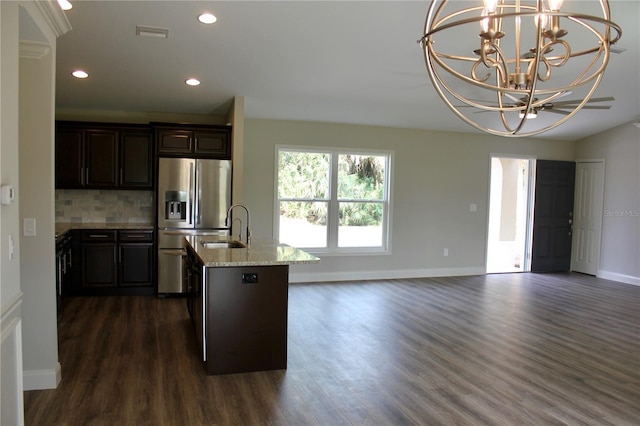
(561, 107)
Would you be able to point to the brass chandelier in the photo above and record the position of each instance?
(518, 62)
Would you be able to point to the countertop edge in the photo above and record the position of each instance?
(63, 227)
(263, 252)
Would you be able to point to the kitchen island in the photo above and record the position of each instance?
(238, 301)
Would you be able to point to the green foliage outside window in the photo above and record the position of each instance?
(306, 176)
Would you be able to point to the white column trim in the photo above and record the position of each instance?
(33, 49)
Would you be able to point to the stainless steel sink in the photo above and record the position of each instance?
(222, 244)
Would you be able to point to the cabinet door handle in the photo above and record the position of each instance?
(119, 254)
(135, 236)
(98, 236)
(86, 171)
(121, 180)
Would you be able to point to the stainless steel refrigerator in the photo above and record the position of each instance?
(193, 198)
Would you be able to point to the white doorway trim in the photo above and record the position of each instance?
(587, 216)
(510, 215)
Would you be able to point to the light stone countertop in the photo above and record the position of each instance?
(263, 252)
(62, 227)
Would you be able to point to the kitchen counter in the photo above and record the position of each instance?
(263, 252)
(62, 227)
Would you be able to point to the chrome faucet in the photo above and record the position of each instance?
(226, 221)
(237, 219)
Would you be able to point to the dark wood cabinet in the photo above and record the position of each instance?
(243, 312)
(64, 266)
(69, 157)
(98, 254)
(115, 262)
(200, 141)
(246, 318)
(103, 156)
(193, 278)
(135, 258)
(136, 159)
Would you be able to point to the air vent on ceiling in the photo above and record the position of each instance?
(156, 32)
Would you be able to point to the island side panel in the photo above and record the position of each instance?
(246, 323)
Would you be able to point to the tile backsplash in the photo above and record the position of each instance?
(104, 206)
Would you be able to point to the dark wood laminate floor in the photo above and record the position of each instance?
(513, 349)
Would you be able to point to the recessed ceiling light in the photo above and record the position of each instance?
(193, 82)
(65, 4)
(80, 74)
(207, 18)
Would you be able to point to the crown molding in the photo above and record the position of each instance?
(50, 14)
(33, 49)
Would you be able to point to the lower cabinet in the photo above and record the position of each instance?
(64, 267)
(239, 315)
(193, 281)
(115, 262)
(135, 258)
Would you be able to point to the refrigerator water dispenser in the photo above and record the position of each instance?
(175, 205)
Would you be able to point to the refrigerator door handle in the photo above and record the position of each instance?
(191, 191)
(197, 194)
(177, 252)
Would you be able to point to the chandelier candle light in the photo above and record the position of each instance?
(518, 62)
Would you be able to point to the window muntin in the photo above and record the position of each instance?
(333, 200)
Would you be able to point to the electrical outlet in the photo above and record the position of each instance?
(445, 252)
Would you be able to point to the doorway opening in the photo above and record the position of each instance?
(510, 215)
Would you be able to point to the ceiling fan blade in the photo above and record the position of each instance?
(555, 107)
(513, 98)
(596, 107)
(577, 101)
(557, 111)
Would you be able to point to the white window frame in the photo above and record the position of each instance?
(333, 202)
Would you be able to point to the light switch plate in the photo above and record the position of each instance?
(29, 227)
(473, 207)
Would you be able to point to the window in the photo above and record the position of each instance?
(332, 200)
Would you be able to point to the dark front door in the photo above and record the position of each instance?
(553, 215)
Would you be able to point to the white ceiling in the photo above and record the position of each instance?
(334, 61)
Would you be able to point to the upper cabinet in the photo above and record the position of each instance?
(136, 158)
(103, 156)
(198, 141)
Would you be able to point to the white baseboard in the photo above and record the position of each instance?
(297, 277)
(614, 276)
(42, 379)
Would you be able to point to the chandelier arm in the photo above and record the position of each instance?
(435, 77)
(436, 56)
(501, 66)
(602, 49)
(462, 77)
(439, 84)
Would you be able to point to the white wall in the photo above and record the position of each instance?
(436, 176)
(11, 411)
(620, 246)
(37, 253)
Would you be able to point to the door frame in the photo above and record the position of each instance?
(526, 267)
